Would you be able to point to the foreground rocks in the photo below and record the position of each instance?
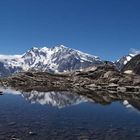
(104, 77)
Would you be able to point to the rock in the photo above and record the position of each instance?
(92, 87)
(1, 93)
(102, 76)
(121, 89)
(132, 89)
(113, 85)
(136, 81)
(114, 80)
(32, 133)
(107, 74)
(128, 72)
(125, 81)
(14, 138)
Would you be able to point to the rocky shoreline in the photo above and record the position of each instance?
(101, 78)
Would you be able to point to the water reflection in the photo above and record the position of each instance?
(90, 115)
(61, 99)
(56, 99)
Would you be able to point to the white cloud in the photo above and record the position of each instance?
(134, 51)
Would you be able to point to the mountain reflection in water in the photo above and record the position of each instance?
(64, 115)
(56, 99)
(61, 99)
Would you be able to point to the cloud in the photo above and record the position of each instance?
(134, 51)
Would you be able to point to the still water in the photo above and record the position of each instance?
(67, 116)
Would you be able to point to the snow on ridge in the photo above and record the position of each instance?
(10, 56)
(80, 53)
(86, 54)
(11, 60)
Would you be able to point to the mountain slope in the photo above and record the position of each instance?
(56, 59)
(10, 64)
(133, 65)
(124, 60)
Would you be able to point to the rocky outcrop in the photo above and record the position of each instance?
(103, 77)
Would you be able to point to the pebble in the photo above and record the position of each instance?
(32, 133)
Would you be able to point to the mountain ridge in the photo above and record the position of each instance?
(55, 59)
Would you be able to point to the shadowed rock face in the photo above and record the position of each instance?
(103, 77)
(133, 64)
(124, 60)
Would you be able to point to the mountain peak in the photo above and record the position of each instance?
(125, 59)
(34, 48)
(57, 59)
(62, 46)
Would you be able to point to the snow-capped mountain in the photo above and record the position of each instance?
(133, 66)
(56, 59)
(124, 60)
(10, 64)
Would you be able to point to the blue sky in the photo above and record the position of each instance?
(107, 28)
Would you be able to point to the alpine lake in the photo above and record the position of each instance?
(64, 115)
